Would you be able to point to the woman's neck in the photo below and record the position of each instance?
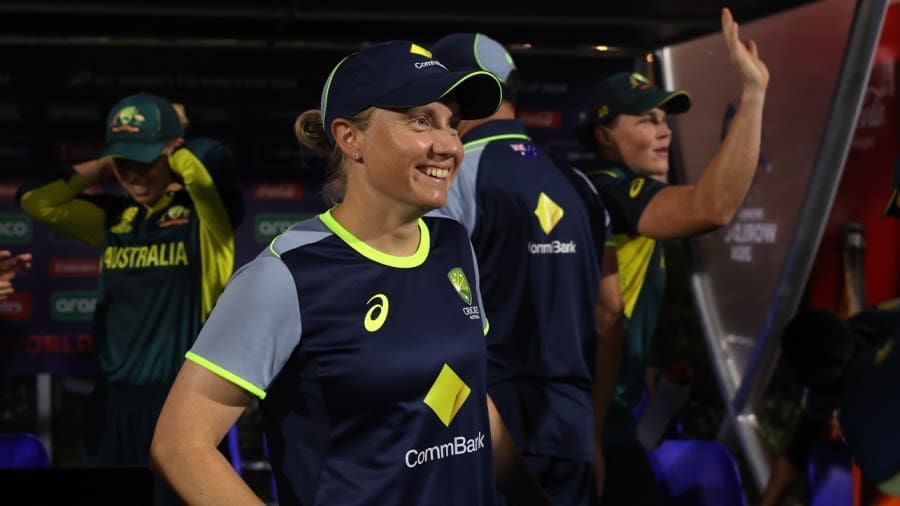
(394, 232)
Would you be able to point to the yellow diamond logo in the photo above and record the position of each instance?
(447, 395)
(548, 213)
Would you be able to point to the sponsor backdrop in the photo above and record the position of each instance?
(53, 102)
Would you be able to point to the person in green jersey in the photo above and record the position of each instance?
(166, 251)
(625, 123)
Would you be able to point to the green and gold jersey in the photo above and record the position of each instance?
(161, 269)
(642, 270)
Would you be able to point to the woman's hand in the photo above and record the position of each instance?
(753, 72)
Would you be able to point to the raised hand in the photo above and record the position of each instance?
(745, 55)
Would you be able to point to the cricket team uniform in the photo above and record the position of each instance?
(538, 231)
(160, 273)
(370, 368)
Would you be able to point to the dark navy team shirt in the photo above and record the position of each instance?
(534, 233)
(370, 368)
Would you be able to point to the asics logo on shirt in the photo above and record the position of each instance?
(636, 186)
(377, 313)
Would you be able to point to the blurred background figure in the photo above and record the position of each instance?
(166, 251)
(850, 368)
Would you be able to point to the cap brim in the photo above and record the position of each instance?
(140, 152)
(675, 102)
(478, 93)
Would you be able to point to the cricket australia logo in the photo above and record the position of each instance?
(128, 119)
(459, 282)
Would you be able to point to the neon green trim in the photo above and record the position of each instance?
(272, 246)
(891, 486)
(414, 260)
(485, 140)
(225, 374)
(487, 328)
(610, 173)
(472, 74)
(326, 91)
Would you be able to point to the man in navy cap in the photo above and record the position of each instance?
(538, 230)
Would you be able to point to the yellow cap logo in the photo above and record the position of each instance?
(638, 80)
(548, 213)
(419, 50)
(128, 119)
(447, 395)
(602, 111)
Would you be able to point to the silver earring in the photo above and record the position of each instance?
(356, 155)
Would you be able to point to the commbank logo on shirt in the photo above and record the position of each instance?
(548, 213)
(447, 395)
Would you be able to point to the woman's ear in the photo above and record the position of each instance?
(345, 137)
(603, 136)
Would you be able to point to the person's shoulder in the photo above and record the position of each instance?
(438, 221)
(300, 234)
(211, 151)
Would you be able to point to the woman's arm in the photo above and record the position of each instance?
(55, 202)
(684, 210)
(609, 321)
(200, 409)
(514, 478)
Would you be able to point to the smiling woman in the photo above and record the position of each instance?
(361, 330)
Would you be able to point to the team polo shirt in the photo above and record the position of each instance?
(642, 270)
(534, 236)
(370, 368)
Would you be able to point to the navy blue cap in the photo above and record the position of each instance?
(626, 93)
(139, 127)
(401, 74)
(474, 51)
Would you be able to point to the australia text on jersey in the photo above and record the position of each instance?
(168, 254)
